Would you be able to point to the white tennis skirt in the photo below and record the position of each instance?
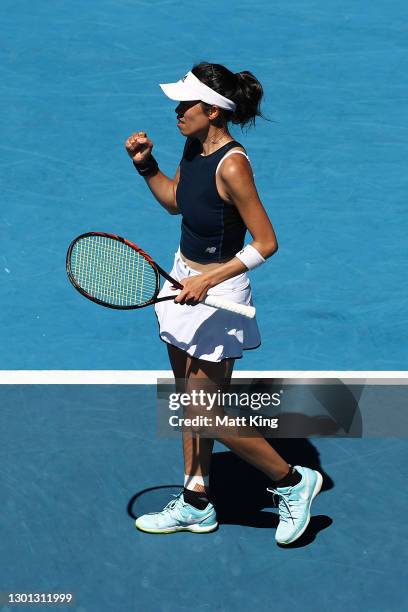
(202, 331)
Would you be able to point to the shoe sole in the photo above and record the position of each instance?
(196, 528)
(316, 491)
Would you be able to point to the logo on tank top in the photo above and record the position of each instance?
(210, 249)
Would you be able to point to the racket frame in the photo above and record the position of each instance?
(157, 269)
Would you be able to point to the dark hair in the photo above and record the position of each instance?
(242, 88)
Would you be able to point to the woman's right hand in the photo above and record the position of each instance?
(139, 147)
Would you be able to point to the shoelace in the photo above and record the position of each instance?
(173, 503)
(285, 511)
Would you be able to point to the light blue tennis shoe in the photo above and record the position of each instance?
(294, 505)
(179, 516)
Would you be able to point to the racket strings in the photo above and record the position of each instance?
(112, 272)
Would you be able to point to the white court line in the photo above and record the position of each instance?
(145, 377)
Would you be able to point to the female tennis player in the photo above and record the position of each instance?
(214, 191)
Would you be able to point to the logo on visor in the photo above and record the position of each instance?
(210, 249)
(184, 77)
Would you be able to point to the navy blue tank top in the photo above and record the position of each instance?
(211, 229)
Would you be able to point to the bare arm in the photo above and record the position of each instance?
(139, 148)
(164, 190)
(238, 182)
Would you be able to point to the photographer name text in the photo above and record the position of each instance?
(255, 420)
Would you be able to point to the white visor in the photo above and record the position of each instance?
(191, 88)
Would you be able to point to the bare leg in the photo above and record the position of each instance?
(197, 450)
(255, 449)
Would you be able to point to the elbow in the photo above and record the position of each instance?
(173, 208)
(270, 249)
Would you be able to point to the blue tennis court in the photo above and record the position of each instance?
(78, 461)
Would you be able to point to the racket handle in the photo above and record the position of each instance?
(219, 302)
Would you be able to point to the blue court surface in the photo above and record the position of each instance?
(79, 462)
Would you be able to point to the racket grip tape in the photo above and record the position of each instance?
(223, 304)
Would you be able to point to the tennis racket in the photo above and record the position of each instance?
(113, 272)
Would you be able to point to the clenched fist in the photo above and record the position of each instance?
(139, 147)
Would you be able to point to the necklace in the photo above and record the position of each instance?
(215, 142)
(220, 139)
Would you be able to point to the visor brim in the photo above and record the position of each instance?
(179, 92)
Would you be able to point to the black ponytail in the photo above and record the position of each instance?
(242, 88)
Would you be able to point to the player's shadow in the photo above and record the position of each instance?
(239, 490)
(152, 499)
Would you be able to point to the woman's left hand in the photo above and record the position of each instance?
(194, 289)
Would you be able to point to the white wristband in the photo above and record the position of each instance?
(250, 257)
